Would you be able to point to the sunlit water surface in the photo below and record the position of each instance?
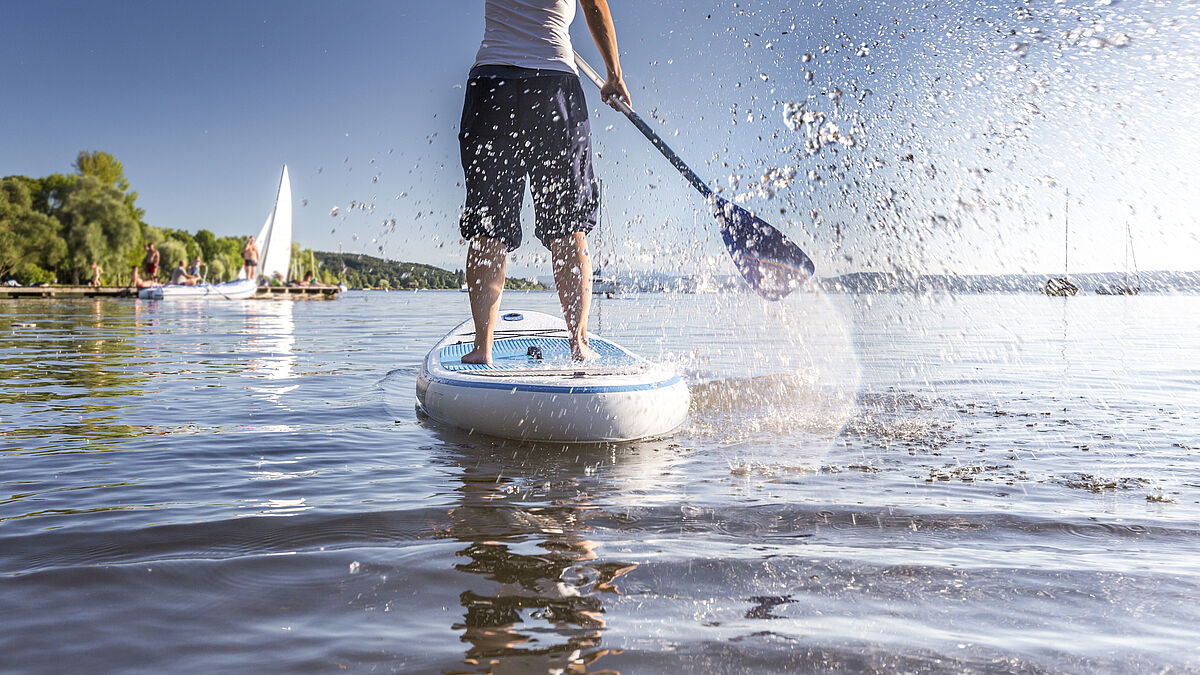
(873, 483)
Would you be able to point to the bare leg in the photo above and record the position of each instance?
(573, 277)
(486, 260)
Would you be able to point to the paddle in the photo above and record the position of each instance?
(770, 263)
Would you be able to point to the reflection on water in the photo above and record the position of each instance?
(243, 486)
(60, 373)
(537, 604)
(270, 340)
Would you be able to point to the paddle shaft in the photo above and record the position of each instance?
(647, 131)
(771, 264)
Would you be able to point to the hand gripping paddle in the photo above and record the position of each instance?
(769, 261)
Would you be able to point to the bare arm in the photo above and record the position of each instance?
(599, 21)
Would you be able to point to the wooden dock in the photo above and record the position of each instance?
(264, 292)
(298, 292)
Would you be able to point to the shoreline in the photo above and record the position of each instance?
(264, 292)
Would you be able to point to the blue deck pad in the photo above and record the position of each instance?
(512, 354)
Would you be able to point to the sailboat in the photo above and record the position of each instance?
(274, 240)
(275, 251)
(602, 285)
(1063, 286)
(1125, 288)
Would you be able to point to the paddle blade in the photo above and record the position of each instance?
(769, 262)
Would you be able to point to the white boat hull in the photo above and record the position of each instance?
(233, 290)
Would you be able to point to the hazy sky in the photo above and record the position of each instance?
(962, 126)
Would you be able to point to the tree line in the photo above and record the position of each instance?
(365, 271)
(53, 228)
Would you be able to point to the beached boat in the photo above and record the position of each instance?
(1063, 286)
(1060, 286)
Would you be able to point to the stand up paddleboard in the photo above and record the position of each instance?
(533, 390)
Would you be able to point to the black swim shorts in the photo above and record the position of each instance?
(519, 123)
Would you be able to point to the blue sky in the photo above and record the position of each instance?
(1003, 111)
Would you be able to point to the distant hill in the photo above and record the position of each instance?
(885, 282)
(366, 271)
(890, 282)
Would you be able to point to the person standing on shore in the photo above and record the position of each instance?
(97, 270)
(524, 116)
(250, 258)
(150, 262)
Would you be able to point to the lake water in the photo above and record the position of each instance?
(869, 483)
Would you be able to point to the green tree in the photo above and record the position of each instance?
(208, 244)
(52, 192)
(190, 247)
(216, 270)
(231, 253)
(30, 242)
(172, 251)
(110, 171)
(234, 264)
(103, 166)
(97, 225)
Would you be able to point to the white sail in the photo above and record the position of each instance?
(275, 242)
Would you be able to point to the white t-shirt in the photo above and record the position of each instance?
(528, 34)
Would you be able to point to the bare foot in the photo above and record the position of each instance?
(582, 352)
(477, 355)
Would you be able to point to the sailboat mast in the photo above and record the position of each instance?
(598, 270)
(1126, 254)
(1067, 234)
(1130, 254)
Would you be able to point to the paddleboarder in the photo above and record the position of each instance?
(524, 117)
